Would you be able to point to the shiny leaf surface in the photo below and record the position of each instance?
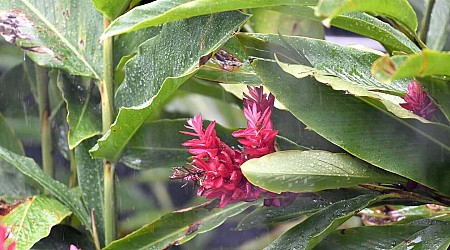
(437, 32)
(111, 8)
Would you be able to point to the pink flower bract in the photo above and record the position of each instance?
(3, 236)
(418, 101)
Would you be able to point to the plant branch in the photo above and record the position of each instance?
(106, 90)
(42, 80)
(425, 21)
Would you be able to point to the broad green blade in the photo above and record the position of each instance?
(398, 10)
(438, 32)
(350, 64)
(33, 219)
(68, 197)
(359, 23)
(402, 147)
(83, 108)
(425, 63)
(311, 171)
(178, 227)
(163, 11)
(90, 180)
(433, 237)
(59, 34)
(311, 231)
(154, 74)
(111, 8)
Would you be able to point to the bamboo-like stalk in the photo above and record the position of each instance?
(107, 90)
(42, 81)
(426, 21)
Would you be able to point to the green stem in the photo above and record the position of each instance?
(425, 21)
(42, 80)
(73, 169)
(106, 90)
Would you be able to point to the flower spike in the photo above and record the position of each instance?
(418, 101)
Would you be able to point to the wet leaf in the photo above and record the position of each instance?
(305, 205)
(178, 227)
(347, 63)
(61, 34)
(437, 32)
(90, 180)
(432, 237)
(83, 108)
(33, 219)
(154, 74)
(111, 8)
(359, 23)
(29, 168)
(425, 63)
(389, 9)
(404, 148)
(310, 171)
(163, 11)
(311, 231)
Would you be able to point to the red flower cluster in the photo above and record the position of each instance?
(418, 101)
(215, 167)
(4, 233)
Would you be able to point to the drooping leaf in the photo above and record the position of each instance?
(371, 237)
(163, 11)
(83, 108)
(178, 227)
(425, 63)
(311, 231)
(61, 34)
(433, 237)
(305, 205)
(33, 219)
(111, 8)
(90, 180)
(438, 32)
(401, 147)
(359, 23)
(29, 168)
(350, 64)
(154, 74)
(386, 8)
(310, 171)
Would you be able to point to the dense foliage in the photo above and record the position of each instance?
(347, 147)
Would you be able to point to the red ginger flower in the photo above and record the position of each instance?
(4, 233)
(215, 167)
(418, 101)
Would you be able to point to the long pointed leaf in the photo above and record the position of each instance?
(154, 74)
(407, 149)
(162, 11)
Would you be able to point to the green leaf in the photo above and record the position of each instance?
(371, 237)
(359, 23)
(399, 10)
(403, 147)
(178, 227)
(29, 168)
(310, 171)
(33, 219)
(83, 108)
(8, 138)
(438, 32)
(62, 236)
(61, 34)
(311, 231)
(305, 205)
(154, 74)
(433, 237)
(425, 63)
(111, 8)
(163, 11)
(90, 180)
(439, 90)
(350, 64)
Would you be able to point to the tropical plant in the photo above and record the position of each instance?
(347, 147)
